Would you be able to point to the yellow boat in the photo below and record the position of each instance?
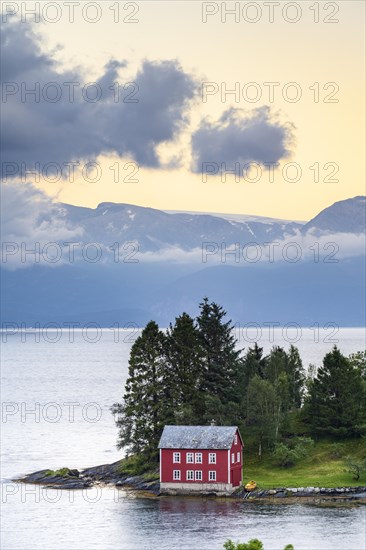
(250, 486)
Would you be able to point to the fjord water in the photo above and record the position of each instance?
(57, 388)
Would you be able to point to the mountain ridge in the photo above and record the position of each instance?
(318, 288)
(155, 229)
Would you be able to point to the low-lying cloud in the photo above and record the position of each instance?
(30, 219)
(33, 221)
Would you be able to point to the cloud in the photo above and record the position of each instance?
(30, 220)
(241, 137)
(65, 123)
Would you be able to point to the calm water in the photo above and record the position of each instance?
(55, 412)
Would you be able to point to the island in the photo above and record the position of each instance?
(201, 417)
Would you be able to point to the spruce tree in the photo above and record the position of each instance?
(221, 359)
(145, 409)
(334, 405)
(296, 377)
(253, 364)
(276, 364)
(184, 357)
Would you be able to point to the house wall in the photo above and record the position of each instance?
(236, 467)
(167, 466)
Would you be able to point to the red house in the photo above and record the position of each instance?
(200, 459)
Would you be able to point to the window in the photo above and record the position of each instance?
(198, 475)
(212, 476)
(198, 458)
(176, 457)
(190, 475)
(176, 474)
(238, 456)
(212, 458)
(232, 458)
(190, 458)
(235, 439)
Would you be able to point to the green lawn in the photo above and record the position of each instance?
(320, 469)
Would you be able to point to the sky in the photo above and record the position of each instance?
(293, 131)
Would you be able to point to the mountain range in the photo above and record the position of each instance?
(155, 230)
(317, 276)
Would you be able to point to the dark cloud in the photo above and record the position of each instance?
(65, 130)
(163, 91)
(239, 137)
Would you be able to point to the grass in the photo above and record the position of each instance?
(324, 467)
(151, 476)
(136, 465)
(62, 472)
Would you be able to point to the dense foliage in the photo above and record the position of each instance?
(195, 374)
(336, 405)
(253, 544)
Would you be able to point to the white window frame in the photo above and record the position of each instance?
(176, 475)
(176, 458)
(212, 475)
(212, 458)
(232, 458)
(198, 458)
(190, 455)
(198, 475)
(238, 456)
(190, 475)
(236, 439)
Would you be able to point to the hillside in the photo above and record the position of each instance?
(324, 467)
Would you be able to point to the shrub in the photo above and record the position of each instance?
(253, 544)
(354, 467)
(288, 455)
(134, 465)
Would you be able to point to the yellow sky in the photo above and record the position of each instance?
(329, 136)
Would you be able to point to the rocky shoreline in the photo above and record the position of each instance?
(307, 494)
(106, 474)
(110, 474)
